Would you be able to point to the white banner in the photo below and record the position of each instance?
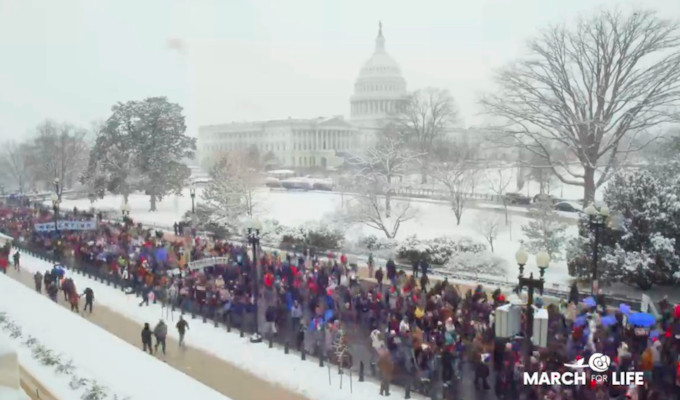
(66, 225)
(208, 262)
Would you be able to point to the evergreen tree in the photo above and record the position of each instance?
(162, 146)
(644, 248)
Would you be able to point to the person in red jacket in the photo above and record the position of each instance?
(4, 262)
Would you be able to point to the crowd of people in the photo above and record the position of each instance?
(420, 333)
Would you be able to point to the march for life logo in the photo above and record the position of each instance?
(598, 364)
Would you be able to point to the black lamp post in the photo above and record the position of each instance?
(55, 209)
(192, 194)
(254, 240)
(531, 283)
(597, 221)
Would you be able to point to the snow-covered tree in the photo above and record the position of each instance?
(587, 91)
(59, 150)
(163, 145)
(424, 118)
(379, 171)
(230, 195)
(13, 164)
(644, 249)
(454, 169)
(498, 181)
(489, 226)
(113, 164)
(545, 232)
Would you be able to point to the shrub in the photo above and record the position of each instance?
(436, 251)
(315, 235)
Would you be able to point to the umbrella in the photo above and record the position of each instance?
(608, 320)
(642, 319)
(624, 308)
(580, 320)
(589, 301)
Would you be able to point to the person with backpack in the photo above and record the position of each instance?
(182, 326)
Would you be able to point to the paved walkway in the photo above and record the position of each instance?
(206, 368)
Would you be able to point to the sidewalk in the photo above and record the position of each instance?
(202, 366)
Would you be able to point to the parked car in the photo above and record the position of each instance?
(322, 185)
(539, 198)
(272, 182)
(568, 206)
(517, 198)
(296, 184)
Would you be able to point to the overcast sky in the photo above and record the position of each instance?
(232, 60)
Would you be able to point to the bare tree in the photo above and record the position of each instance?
(424, 118)
(454, 168)
(385, 163)
(499, 180)
(13, 164)
(369, 208)
(379, 171)
(230, 195)
(489, 226)
(583, 90)
(58, 151)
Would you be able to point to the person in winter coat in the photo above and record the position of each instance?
(424, 281)
(52, 291)
(3, 263)
(38, 279)
(146, 338)
(145, 295)
(379, 277)
(295, 315)
(74, 300)
(386, 367)
(414, 268)
(482, 373)
(161, 332)
(89, 299)
(424, 267)
(182, 326)
(391, 268)
(16, 258)
(270, 318)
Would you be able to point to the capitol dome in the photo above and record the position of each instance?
(380, 88)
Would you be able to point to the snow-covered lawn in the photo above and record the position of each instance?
(96, 355)
(274, 365)
(294, 208)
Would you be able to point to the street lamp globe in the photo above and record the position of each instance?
(543, 259)
(56, 181)
(521, 256)
(604, 211)
(591, 211)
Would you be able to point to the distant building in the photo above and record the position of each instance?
(292, 143)
(379, 91)
(322, 143)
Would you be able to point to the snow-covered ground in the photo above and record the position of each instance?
(96, 355)
(274, 365)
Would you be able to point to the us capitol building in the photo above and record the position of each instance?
(321, 143)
